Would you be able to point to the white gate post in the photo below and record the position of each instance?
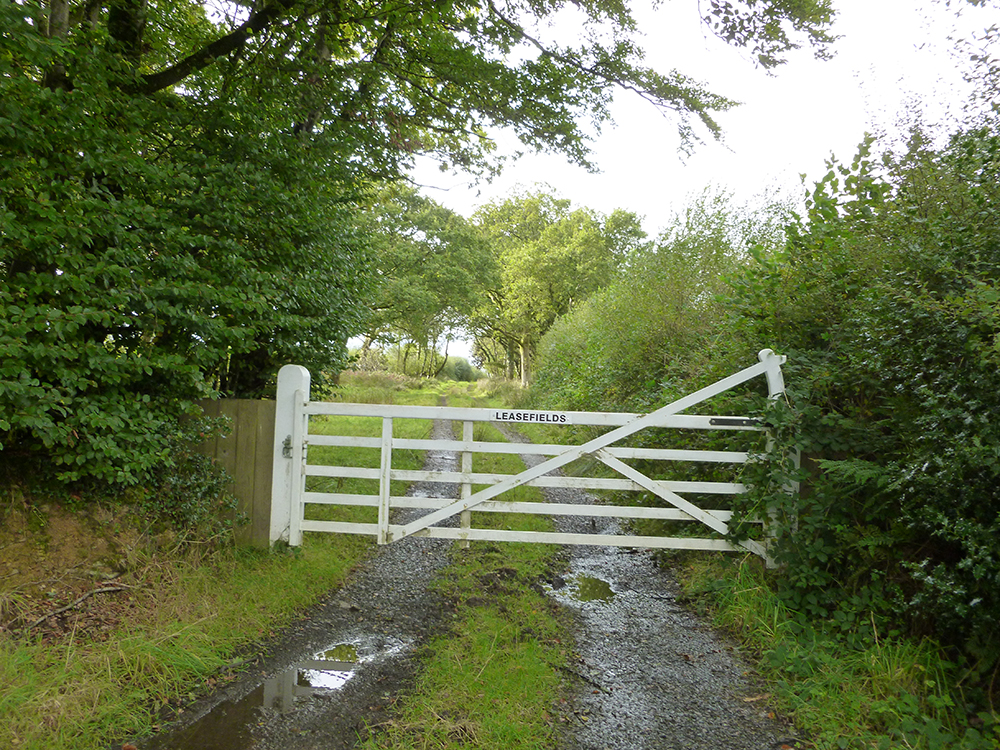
(293, 382)
(385, 482)
(775, 380)
(775, 390)
(466, 489)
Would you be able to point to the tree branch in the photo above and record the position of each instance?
(258, 22)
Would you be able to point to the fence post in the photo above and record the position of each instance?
(775, 390)
(466, 488)
(292, 380)
(775, 380)
(385, 482)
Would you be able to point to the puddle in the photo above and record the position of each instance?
(581, 588)
(229, 724)
(589, 589)
(328, 670)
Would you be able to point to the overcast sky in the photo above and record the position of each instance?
(891, 52)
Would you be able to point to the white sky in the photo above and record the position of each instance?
(890, 52)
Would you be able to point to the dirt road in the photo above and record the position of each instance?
(648, 673)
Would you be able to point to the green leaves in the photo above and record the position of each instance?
(551, 258)
(178, 195)
(763, 27)
(885, 302)
(150, 247)
(431, 267)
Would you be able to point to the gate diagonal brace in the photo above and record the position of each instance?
(769, 364)
(671, 497)
(674, 499)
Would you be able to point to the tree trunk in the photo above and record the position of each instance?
(525, 350)
(443, 361)
(127, 26)
(58, 28)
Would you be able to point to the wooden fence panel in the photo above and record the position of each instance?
(245, 452)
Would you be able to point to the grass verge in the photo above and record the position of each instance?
(492, 681)
(186, 620)
(191, 617)
(190, 620)
(891, 694)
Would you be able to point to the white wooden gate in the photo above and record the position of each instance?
(291, 469)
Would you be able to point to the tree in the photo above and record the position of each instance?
(551, 258)
(154, 249)
(391, 79)
(431, 266)
(177, 191)
(886, 299)
(639, 341)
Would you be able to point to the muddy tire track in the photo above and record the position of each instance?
(651, 674)
(385, 613)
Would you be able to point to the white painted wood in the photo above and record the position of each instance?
(502, 506)
(299, 432)
(671, 497)
(465, 489)
(592, 483)
(582, 483)
(595, 418)
(537, 449)
(491, 485)
(775, 380)
(291, 379)
(591, 446)
(544, 537)
(346, 472)
(384, 482)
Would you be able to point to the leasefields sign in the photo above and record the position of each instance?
(544, 417)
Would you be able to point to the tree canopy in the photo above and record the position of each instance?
(431, 267)
(550, 257)
(179, 188)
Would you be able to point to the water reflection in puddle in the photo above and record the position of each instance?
(581, 588)
(327, 670)
(228, 725)
(589, 589)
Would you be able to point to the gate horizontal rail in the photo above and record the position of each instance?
(479, 489)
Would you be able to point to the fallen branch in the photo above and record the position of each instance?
(74, 603)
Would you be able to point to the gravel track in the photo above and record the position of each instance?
(647, 675)
(652, 675)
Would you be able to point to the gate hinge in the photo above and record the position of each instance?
(286, 447)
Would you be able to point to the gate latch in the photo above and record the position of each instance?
(286, 447)
(733, 422)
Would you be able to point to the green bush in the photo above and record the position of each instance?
(885, 296)
(886, 302)
(155, 250)
(652, 332)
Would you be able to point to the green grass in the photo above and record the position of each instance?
(493, 679)
(498, 463)
(192, 620)
(360, 457)
(891, 694)
(196, 616)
